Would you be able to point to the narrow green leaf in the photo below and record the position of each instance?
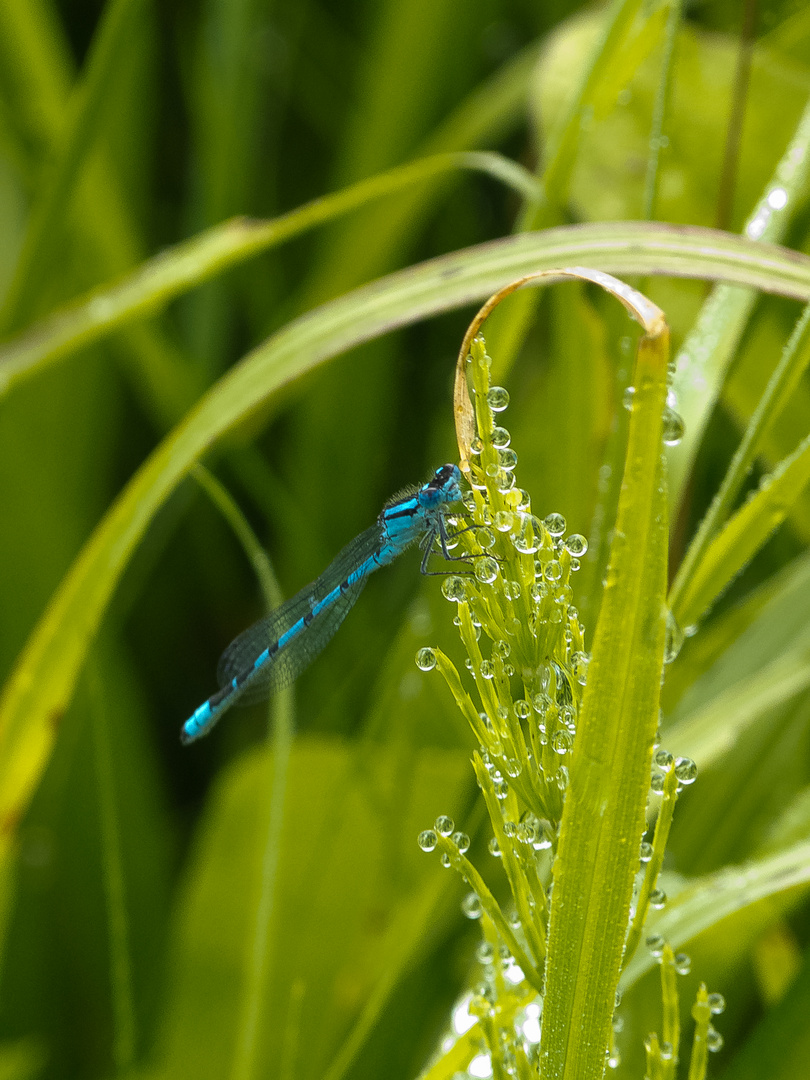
(706, 734)
(707, 352)
(604, 813)
(174, 271)
(784, 381)
(629, 247)
(742, 537)
(706, 902)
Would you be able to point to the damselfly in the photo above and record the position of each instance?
(274, 652)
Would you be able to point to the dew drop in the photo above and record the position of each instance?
(627, 397)
(480, 1068)
(657, 784)
(486, 570)
(462, 841)
(486, 669)
(646, 851)
(553, 572)
(576, 544)
(476, 446)
(673, 427)
(443, 825)
(485, 538)
(494, 848)
(717, 1003)
(683, 963)
(454, 588)
(471, 906)
(427, 840)
(501, 649)
(562, 742)
(426, 659)
(714, 1040)
(673, 639)
(484, 953)
(655, 945)
(523, 709)
(580, 665)
(686, 770)
(555, 523)
(512, 590)
(500, 438)
(507, 459)
(503, 521)
(657, 899)
(529, 536)
(663, 759)
(497, 398)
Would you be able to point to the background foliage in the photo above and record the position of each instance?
(138, 875)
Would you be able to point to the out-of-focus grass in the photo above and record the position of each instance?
(133, 869)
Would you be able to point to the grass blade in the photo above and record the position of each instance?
(604, 811)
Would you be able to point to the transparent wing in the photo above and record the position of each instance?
(288, 663)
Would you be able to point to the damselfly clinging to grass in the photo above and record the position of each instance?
(275, 651)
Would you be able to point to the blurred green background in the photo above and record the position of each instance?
(139, 862)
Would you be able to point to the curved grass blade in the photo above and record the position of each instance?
(708, 732)
(706, 353)
(41, 685)
(742, 537)
(708, 901)
(784, 380)
(629, 247)
(604, 812)
(180, 268)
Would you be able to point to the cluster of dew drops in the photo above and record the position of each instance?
(526, 534)
(552, 594)
(549, 592)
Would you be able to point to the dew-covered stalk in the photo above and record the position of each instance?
(526, 670)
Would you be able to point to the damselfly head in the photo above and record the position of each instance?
(445, 486)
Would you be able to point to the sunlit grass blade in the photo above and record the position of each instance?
(784, 380)
(742, 537)
(710, 731)
(705, 355)
(174, 271)
(604, 810)
(41, 685)
(630, 247)
(706, 902)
